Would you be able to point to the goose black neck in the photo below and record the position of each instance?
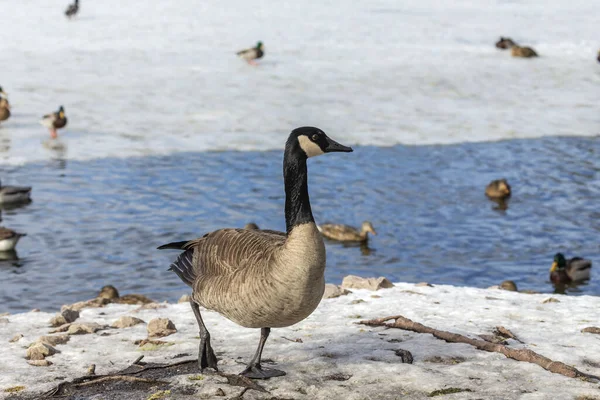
(295, 176)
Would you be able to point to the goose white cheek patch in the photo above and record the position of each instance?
(310, 148)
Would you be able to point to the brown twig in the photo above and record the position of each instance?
(119, 378)
(526, 355)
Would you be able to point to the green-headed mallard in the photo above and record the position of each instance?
(4, 109)
(505, 43)
(252, 54)
(73, 9)
(498, 189)
(346, 233)
(9, 239)
(574, 270)
(14, 194)
(55, 121)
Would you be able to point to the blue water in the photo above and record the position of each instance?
(99, 222)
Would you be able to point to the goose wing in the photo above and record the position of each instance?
(224, 252)
(579, 268)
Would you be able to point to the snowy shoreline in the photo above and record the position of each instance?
(329, 355)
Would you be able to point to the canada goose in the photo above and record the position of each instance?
(54, 121)
(498, 189)
(9, 239)
(261, 278)
(72, 9)
(14, 194)
(505, 43)
(251, 225)
(4, 109)
(111, 293)
(345, 233)
(574, 270)
(524, 52)
(252, 53)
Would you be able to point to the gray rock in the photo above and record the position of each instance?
(65, 316)
(4, 321)
(39, 351)
(83, 328)
(39, 363)
(54, 340)
(160, 327)
(333, 291)
(16, 338)
(356, 282)
(126, 322)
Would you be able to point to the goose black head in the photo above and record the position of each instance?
(314, 142)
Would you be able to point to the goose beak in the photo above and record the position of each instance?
(554, 267)
(333, 146)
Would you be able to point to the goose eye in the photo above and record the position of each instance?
(315, 137)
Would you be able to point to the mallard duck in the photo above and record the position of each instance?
(498, 189)
(55, 121)
(505, 43)
(4, 109)
(111, 293)
(3, 93)
(261, 278)
(251, 225)
(9, 239)
(346, 233)
(14, 194)
(524, 52)
(73, 9)
(252, 54)
(574, 270)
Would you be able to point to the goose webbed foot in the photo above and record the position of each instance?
(255, 371)
(206, 355)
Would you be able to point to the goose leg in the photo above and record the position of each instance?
(254, 369)
(206, 356)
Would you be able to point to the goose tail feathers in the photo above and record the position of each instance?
(184, 267)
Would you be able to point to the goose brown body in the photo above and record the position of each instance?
(278, 279)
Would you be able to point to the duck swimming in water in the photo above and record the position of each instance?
(346, 233)
(9, 239)
(574, 270)
(55, 121)
(261, 278)
(14, 194)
